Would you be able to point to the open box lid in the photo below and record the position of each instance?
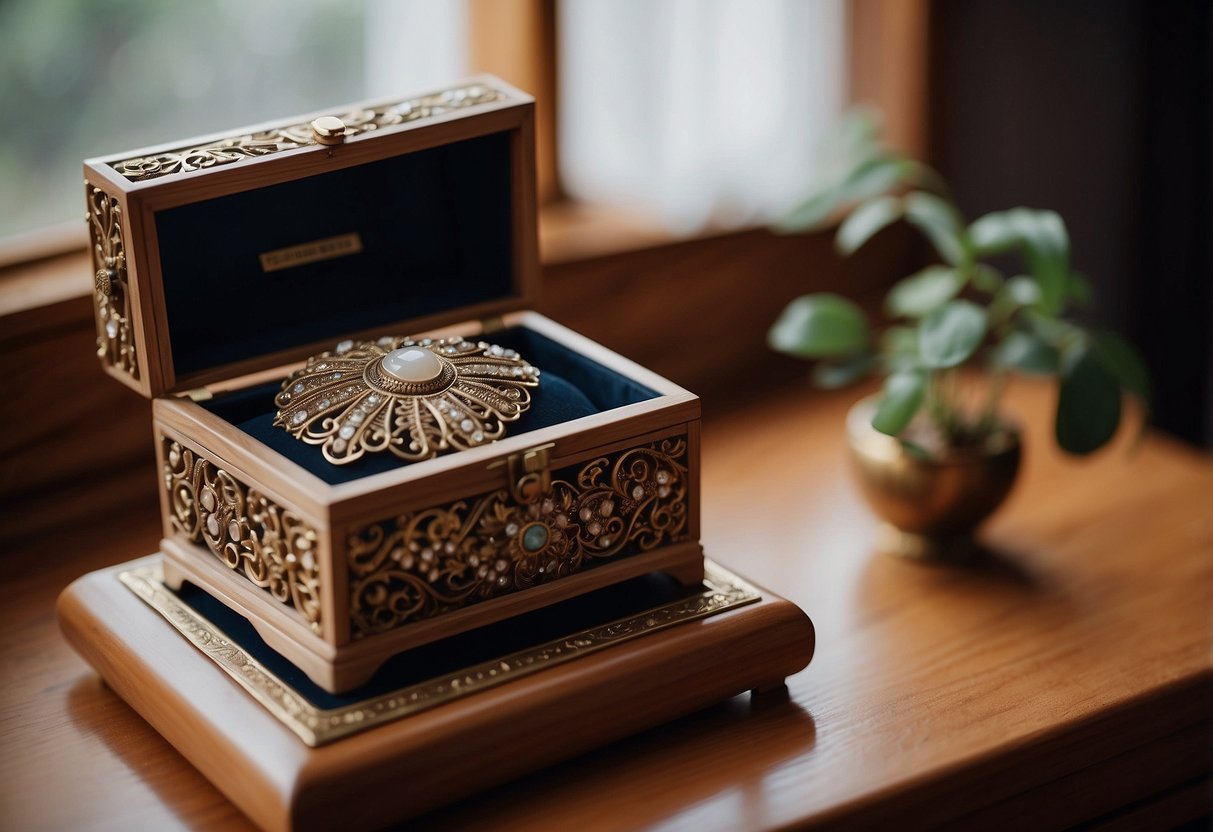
(244, 251)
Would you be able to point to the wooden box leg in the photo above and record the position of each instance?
(688, 569)
(765, 696)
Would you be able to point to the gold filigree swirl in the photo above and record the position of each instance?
(111, 299)
(263, 143)
(430, 562)
(347, 402)
(249, 533)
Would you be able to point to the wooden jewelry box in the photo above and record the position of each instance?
(225, 262)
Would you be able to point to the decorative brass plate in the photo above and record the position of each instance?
(315, 726)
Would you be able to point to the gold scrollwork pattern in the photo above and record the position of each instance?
(111, 298)
(316, 726)
(249, 533)
(263, 143)
(429, 562)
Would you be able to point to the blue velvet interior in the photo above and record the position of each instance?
(570, 386)
(457, 652)
(436, 229)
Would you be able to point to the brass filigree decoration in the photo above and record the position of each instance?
(111, 299)
(252, 145)
(348, 402)
(429, 562)
(316, 726)
(249, 533)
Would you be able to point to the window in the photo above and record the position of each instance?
(90, 78)
(700, 113)
(693, 113)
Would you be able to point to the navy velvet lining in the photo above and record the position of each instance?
(457, 652)
(436, 229)
(570, 386)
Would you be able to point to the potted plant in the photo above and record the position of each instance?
(934, 453)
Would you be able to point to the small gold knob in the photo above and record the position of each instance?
(328, 130)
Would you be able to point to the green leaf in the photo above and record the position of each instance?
(865, 221)
(1025, 352)
(832, 374)
(1088, 406)
(924, 176)
(899, 346)
(857, 136)
(1001, 231)
(871, 177)
(903, 394)
(950, 334)
(1041, 236)
(1129, 369)
(820, 326)
(1017, 293)
(1125, 364)
(854, 142)
(918, 294)
(1078, 289)
(994, 233)
(1061, 334)
(812, 214)
(986, 278)
(900, 339)
(1022, 290)
(875, 177)
(939, 220)
(915, 450)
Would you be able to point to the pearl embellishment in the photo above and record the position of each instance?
(412, 364)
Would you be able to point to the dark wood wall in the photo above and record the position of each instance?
(1101, 110)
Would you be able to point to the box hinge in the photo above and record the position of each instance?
(491, 325)
(530, 479)
(200, 394)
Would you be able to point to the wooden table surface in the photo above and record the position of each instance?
(1067, 675)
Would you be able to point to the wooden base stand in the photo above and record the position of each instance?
(202, 692)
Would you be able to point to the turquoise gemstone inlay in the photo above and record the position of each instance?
(535, 537)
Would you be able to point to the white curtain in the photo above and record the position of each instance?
(701, 113)
(412, 45)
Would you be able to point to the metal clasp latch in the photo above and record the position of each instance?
(328, 130)
(530, 477)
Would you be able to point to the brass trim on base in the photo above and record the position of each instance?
(316, 726)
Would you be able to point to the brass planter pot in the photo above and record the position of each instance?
(930, 507)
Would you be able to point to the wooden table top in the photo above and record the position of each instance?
(1066, 675)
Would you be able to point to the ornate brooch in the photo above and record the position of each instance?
(412, 398)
